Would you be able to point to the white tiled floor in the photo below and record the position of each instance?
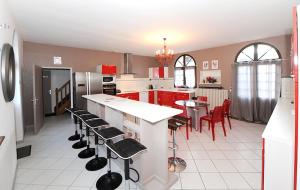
(232, 162)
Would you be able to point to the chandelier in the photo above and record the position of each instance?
(165, 55)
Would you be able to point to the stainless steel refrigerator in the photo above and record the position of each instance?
(85, 83)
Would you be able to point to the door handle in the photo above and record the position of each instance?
(50, 92)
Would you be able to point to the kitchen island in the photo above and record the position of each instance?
(149, 124)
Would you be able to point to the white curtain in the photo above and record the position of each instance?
(256, 88)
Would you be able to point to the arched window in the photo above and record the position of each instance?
(257, 52)
(185, 72)
(261, 55)
(256, 81)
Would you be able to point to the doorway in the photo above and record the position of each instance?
(56, 90)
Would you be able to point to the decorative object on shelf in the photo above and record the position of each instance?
(165, 55)
(211, 79)
(214, 64)
(205, 65)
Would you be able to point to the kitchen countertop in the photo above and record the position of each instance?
(161, 89)
(148, 112)
(282, 122)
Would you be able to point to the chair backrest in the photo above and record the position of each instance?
(218, 114)
(202, 98)
(226, 106)
(183, 108)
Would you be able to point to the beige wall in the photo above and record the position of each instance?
(226, 56)
(76, 58)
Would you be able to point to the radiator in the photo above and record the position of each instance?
(215, 96)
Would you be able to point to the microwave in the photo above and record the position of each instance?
(108, 79)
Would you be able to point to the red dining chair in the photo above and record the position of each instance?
(203, 99)
(184, 118)
(226, 109)
(216, 117)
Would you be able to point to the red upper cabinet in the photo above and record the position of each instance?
(161, 72)
(107, 69)
(151, 97)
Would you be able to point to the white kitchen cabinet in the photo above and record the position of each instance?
(143, 96)
(278, 147)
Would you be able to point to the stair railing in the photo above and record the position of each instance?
(61, 93)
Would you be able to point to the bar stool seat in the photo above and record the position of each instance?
(175, 164)
(74, 109)
(88, 117)
(108, 133)
(124, 149)
(94, 123)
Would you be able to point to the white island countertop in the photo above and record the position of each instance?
(282, 122)
(148, 112)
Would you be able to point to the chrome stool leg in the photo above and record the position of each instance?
(111, 180)
(76, 136)
(81, 143)
(175, 164)
(96, 163)
(88, 152)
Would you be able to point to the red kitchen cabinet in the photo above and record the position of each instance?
(107, 69)
(131, 96)
(165, 98)
(151, 97)
(161, 72)
(182, 96)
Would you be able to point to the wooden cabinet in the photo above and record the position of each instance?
(107, 69)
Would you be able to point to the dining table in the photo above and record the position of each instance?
(195, 109)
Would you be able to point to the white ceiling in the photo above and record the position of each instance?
(138, 26)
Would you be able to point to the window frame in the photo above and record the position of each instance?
(184, 68)
(255, 44)
(256, 58)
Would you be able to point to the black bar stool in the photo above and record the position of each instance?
(175, 164)
(112, 180)
(76, 136)
(81, 143)
(89, 152)
(96, 163)
(125, 149)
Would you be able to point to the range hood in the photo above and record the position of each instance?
(127, 66)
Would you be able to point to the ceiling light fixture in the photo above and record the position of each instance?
(165, 55)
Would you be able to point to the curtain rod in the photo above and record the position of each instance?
(268, 60)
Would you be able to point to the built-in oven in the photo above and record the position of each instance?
(110, 89)
(108, 79)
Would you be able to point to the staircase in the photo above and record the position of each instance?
(63, 98)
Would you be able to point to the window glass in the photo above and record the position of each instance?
(185, 72)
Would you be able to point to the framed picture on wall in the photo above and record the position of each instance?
(214, 64)
(205, 65)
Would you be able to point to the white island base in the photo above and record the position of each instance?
(149, 124)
